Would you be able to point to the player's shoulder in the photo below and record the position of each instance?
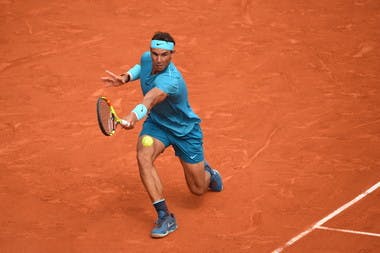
(174, 72)
(171, 72)
(170, 80)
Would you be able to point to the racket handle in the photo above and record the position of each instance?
(124, 123)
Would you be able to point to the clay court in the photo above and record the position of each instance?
(289, 96)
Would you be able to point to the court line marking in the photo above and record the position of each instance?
(328, 217)
(348, 231)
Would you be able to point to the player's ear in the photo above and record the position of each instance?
(173, 51)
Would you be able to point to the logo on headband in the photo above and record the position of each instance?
(162, 44)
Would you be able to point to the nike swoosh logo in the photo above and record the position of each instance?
(193, 156)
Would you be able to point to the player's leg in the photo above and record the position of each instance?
(148, 173)
(146, 155)
(197, 178)
(200, 177)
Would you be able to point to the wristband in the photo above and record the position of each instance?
(140, 111)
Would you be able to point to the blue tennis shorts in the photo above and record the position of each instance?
(188, 148)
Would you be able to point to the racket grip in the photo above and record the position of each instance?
(124, 123)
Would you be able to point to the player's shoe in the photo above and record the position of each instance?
(216, 182)
(164, 226)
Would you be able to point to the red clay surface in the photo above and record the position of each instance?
(289, 96)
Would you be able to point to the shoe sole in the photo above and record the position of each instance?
(157, 236)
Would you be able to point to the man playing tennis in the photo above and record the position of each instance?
(170, 122)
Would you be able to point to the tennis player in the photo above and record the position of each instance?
(170, 121)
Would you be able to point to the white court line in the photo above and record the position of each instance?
(348, 231)
(328, 217)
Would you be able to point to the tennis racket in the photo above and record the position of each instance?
(107, 117)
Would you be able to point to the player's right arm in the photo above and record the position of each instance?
(153, 97)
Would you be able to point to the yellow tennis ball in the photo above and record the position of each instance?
(147, 141)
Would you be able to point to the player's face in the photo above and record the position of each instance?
(160, 58)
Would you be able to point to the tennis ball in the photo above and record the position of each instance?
(147, 141)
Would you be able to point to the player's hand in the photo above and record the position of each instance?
(132, 119)
(115, 80)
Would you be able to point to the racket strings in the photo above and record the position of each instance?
(106, 118)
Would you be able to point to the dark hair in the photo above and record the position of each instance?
(163, 36)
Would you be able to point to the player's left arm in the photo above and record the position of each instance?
(117, 80)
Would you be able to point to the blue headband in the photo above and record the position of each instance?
(167, 45)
